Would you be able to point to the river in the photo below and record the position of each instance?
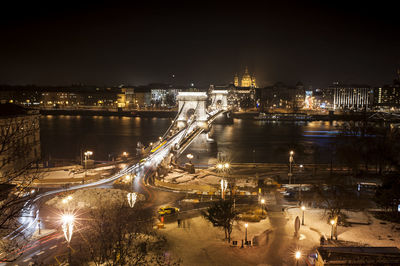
(246, 140)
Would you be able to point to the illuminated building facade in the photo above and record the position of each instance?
(20, 138)
(247, 80)
(388, 96)
(352, 97)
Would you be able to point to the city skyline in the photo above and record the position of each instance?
(125, 43)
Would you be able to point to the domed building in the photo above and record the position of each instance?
(247, 80)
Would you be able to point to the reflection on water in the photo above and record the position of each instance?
(244, 141)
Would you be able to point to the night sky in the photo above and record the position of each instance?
(116, 42)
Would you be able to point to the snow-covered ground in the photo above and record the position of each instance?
(373, 234)
(91, 198)
(205, 178)
(200, 243)
(73, 172)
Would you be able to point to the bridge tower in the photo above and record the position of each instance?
(192, 104)
(219, 100)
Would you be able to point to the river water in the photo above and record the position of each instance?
(64, 137)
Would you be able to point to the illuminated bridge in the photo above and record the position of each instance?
(193, 118)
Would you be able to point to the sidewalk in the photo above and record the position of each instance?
(200, 243)
(365, 229)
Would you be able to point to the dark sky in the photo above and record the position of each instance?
(123, 42)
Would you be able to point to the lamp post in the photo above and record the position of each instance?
(332, 223)
(190, 157)
(301, 170)
(87, 156)
(303, 208)
(262, 206)
(297, 255)
(245, 235)
(68, 227)
(223, 167)
(224, 186)
(290, 166)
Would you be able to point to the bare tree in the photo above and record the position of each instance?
(222, 214)
(19, 156)
(120, 235)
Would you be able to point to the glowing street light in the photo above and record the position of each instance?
(223, 166)
(291, 153)
(297, 255)
(332, 223)
(190, 157)
(125, 154)
(262, 206)
(68, 226)
(87, 156)
(67, 199)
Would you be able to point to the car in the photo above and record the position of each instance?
(167, 210)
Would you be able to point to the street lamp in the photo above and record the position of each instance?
(190, 157)
(297, 255)
(87, 156)
(332, 223)
(128, 178)
(125, 154)
(290, 166)
(262, 206)
(245, 236)
(223, 167)
(224, 186)
(68, 227)
(303, 208)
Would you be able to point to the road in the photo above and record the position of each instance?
(34, 212)
(46, 249)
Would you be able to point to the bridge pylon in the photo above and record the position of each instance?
(192, 105)
(219, 100)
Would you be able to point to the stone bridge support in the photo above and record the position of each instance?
(192, 104)
(219, 99)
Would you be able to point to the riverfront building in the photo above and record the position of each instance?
(19, 139)
(352, 97)
(387, 97)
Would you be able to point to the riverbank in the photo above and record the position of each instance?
(130, 113)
